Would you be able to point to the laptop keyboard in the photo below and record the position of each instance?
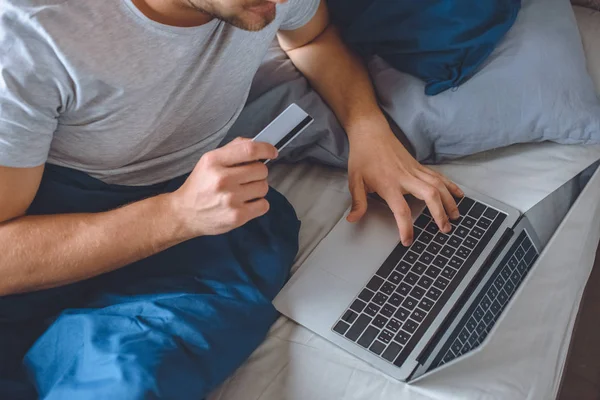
(403, 297)
(482, 315)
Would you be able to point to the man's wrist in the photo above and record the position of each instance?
(366, 124)
(173, 217)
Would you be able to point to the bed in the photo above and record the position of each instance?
(517, 363)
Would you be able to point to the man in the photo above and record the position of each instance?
(105, 108)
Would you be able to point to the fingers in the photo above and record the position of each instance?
(253, 191)
(242, 151)
(359, 199)
(448, 201)
(451, 186)
(402, 214)
(430, 194)
(256, 208)
(253, 172)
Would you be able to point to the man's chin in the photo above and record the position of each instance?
(253, 22)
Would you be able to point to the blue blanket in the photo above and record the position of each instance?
(443, 42)
(172, 326)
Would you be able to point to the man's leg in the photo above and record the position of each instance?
(175, 325)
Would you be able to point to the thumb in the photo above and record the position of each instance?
(359, 199)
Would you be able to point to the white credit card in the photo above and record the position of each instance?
(285, 128)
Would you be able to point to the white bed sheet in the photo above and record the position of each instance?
(295, 364)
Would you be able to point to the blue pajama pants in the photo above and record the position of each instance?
(171, 326)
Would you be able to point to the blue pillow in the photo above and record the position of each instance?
(442, 42)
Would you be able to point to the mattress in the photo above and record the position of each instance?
(295, 364)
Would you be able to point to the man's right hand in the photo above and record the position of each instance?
(226, 189)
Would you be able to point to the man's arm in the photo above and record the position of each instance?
(378, 161)
(39, 252)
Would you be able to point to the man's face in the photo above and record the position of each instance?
(250, 15)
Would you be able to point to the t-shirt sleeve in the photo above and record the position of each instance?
(299, 13)
(31, 96)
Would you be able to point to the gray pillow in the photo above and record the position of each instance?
(534, 87)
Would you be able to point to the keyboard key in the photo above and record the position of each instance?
(426, 258)
(434, 248)
(375, 283)
(380, 321)
(380, 299)
(386, 336)
(477, 210)
(358, 327)
(530, 255)
(502, 296)
(417, 292)
(377, 347)
(448, 251)
(456, 262)
(469, 222)
(490, 213)
(480, 328)
(441, 283)
(372, 309)
(368, 336)
(505, 273)
(485, 303)
(432, 228)
(441, 238)
(411, 257)
(440, 261)
(496, 308)
(512, 263)
(418, 247)
(522, 267)
(461, 232)
(403, 267)
(402, 337)
(473, 339)
(388, 310)
(395, 277)
(366, 295)
(509, 287)
(403, 289)
(386, 269)
(520, 253)
(478, 313)
(418, 315)
(454, 241)
(448, 357)
(392, 352)
(402, 314)
(515, 277)
(433, 271)
(358, 305)
(419, 268)
(477, 233)
(448, 273)
(350, 316)
(484, 223)
(464, 335)
(426, 304)
(463, 252)
(425, 282)
(393, 325)
(422, 221)
(470, 242)
(471, 324)
(410, 326)
(526, 244)
(492, 292)
(465, 205)
(488, 317)
(434, 293)
(411, 278)
(341, 327)
(426, 237)
(409, 303)
(456, 346)
(387, 288)
(395, 300)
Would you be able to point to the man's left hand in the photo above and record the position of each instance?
(379, 163)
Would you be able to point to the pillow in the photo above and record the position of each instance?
(534, 87)
(443, 42)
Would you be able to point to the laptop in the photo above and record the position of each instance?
(410, 311)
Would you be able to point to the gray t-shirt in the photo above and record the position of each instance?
(96, 86)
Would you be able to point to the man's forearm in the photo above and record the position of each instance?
(340, 77)
(40, 252)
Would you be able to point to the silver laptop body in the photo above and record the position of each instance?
(410, 311)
